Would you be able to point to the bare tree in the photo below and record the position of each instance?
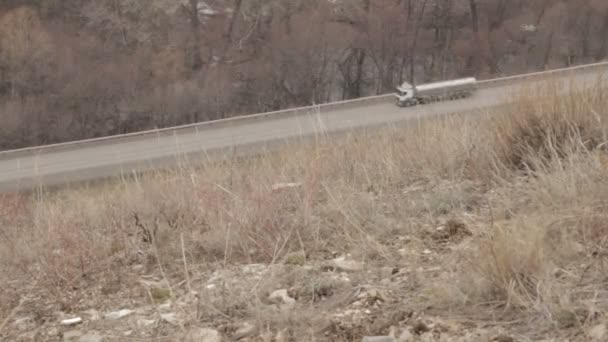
(419, 23)
(80, 68)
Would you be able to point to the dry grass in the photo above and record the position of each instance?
(530, 183)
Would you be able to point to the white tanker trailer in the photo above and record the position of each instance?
(408, 95)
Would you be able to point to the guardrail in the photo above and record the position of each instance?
(541, 74)
(274, 115)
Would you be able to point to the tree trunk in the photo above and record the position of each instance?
(235, 14)
(548, 51)
(604, 34)
(475, 55)
(474, 16)
(194, 60)
(585, 34)
(415, 42)
(499, 16)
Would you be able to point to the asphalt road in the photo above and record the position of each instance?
(26, 170)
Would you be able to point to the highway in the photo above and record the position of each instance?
(100, 158)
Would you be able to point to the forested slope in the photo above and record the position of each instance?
(75, 69)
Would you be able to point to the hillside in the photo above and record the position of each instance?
(466, 228)
(75, 69)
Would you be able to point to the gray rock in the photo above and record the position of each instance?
(378, 339)
(427, 338)
(247, 329)
(282, 186)
(169, 318)
(281, 336)
(598, 332)
(165, 307)
(72, 335)
(91, 336)
(503, 338)
(203, 335)
(53, 331)
(344, 265)
(118, 314)
(282, 297)
(93, 314)
(29, 336)
(266, 336)
(24, 323)
(388, 272)
(142, 322)
(71, 321)
(420, 327)
(406, 336)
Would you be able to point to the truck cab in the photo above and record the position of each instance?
(405, 95)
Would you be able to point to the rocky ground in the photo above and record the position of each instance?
(325, 297)
(337, 299)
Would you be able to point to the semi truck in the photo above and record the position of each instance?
(411, 95)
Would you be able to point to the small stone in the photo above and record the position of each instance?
(427, 252)
(297, 258)
(118, 314)
(246, 330)
(91, 336)
(165, 307)
(341, 264)
(281, 296)
(169, 318)
(565, 319)
(52, 331)
(281, 336)
(203, 335)
(93, 314)
(142, 323)
(598, 332)
(456, 227)
(387, 272)
(71, 321)
(24, 323)
(558, 273)
(378, 339)
(160, 295)
(503, 338)
(420, 328)
(376, 295)
(29, 336)
(72, 335)
(282, 186)
(429, 338)
(406, 336)
(265, 336)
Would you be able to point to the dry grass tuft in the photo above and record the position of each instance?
(542, 127)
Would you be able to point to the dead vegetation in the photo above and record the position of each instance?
(497, 220)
